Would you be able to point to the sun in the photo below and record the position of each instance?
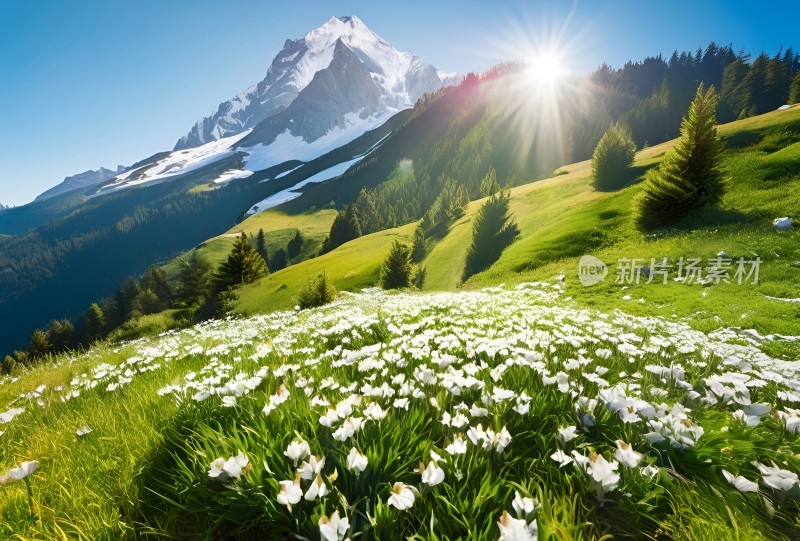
(545, 68)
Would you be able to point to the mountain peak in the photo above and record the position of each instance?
(401, 77)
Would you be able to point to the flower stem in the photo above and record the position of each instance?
(30, 496)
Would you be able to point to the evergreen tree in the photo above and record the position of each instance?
(345, 227)
(39, 345)
(123, 306)
(316, 292)
(489, 184)
(295, 245)
(9, 365)
(195, 281)
(61, 334)
(280, 260)
(22, 358)
(94, 324)
(613, 158)
(397, 269)
(419, 277)
(243, 266)
(689, 177)
(366, 210)
(493, 230)
(261, 245)
(794, 90)
(418, 248)
(148, 302)
(155, 280)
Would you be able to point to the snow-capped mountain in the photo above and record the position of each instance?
(321, 92)
(386, 79)
(81, 180)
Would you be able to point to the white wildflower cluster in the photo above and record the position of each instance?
(476, 365)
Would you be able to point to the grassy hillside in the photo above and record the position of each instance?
(279, 228)
(564, 217)
(486, 384)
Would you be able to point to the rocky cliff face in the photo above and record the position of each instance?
(346, 62)
(81, 180)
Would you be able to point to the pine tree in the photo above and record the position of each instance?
(295, 245)
(243, 266)
(613, 158)
(22, 358)
(61, 334)
(345, 227)
(366, 209)
(261, 245)
(9, 365)
(155, 280)
(418, 249)
(397, 269)
(147, 302)
(493, 230)
(690, 176)
(316, 292)
(94, 325)
(39, 345)
(489, 184)
(280, 260)
(195, 281)
(794, 90)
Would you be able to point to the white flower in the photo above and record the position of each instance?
(523, 505)
(522, 407)
(24, 470)
(514, 529)
(290, 492)
(297, 451)
(626, 455)
(740, 483)
(561, 457)
(235, 466)
(215, 469)
(356, 461)
(318, 489)
(602, 472)
(349, 427)
(402, 496)
(458, 447)
(228, 401)
(401, 403)
(333, 528)
(81, 432)
(775, 478)
(330, 418)
(649, 471)
(477, 411)
(433, 474)
(459, 420)
(312, 467)
(501, 440)
(567, 434)
(374, 411)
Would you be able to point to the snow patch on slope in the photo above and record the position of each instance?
(176, 163)
(288, 194)
(291, 147)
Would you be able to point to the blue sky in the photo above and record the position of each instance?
(96, 83)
